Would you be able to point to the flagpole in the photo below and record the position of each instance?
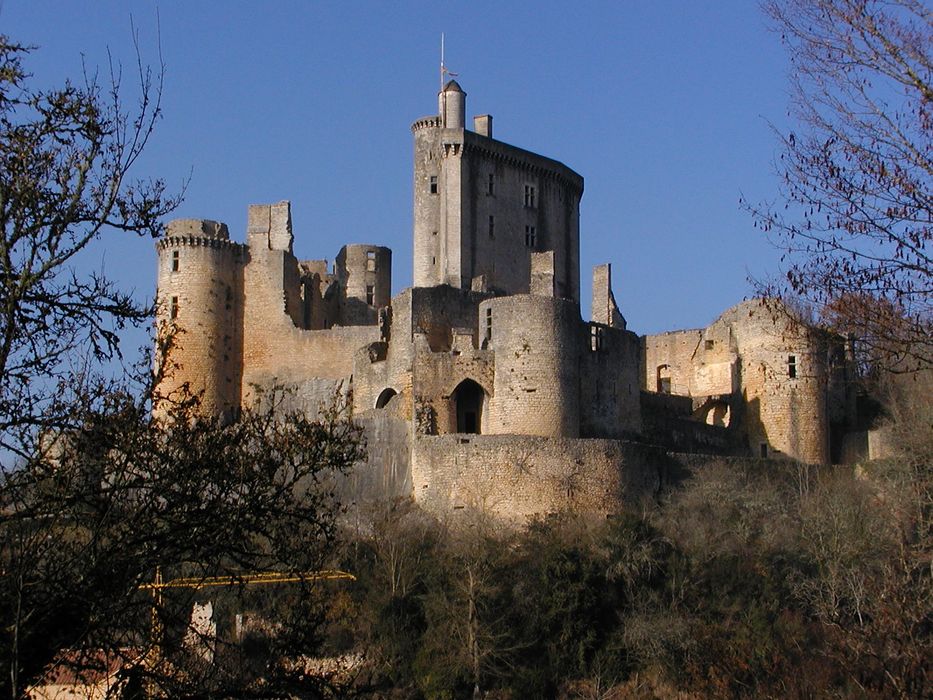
(442, 60)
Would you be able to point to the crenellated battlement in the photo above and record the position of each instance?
(433, 122)
(168, 242)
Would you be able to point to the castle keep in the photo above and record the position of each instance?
(482, 385)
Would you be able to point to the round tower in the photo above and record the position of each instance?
(537, 382)
(783, 381)
(199, 312)
(451, 106)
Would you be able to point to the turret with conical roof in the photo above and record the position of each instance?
(451, 106)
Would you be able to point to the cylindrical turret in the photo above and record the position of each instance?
(451, 106)
(536, 390)
(199, 302)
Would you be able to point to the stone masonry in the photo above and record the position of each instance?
(483, 385)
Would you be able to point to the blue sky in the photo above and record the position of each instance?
(664, 107)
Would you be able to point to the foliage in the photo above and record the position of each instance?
(127, 494)
(104, 496)
(750, 580)
(857, 170)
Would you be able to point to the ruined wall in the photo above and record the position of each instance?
(364, 273)
(609, 382)
(200, 293)
(783, 414)
(537, 344)
(514, 477)
(275, 348)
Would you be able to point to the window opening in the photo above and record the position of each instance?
(792, 366)
(492, 226)
(529, 196)
(530, 236)
(709, 344)
(175, 261)
(173, 313)
(432, 183)
(491, 184)
(488, 323)
(370, 293)
(385, 397)
(763, 450)
(371, 260)
(596, 338)
(664, 379)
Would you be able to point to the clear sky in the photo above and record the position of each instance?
(664, 107)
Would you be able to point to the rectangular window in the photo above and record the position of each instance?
(530, 196)
(792, 366)
(530, 236)
(491, 185)
(370, 293)
(763, 450)
(371, 260)
(492, 226)
(709, 344)
(488, 323)
(664, 385)
(175, 261)
(432, 184)
(173, 309)
(596, 338)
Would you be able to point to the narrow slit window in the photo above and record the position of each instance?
(792, 366)
(173, 309)
(488, 323)
(175, 261)
(763, 450)
(370, 294)
(491, 184)
(432, 184)
(492, 226)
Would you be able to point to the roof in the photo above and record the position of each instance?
(452, 86)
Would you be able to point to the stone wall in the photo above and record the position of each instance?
(537, 345)
(481, 207)
(609, 382)
(199, 303)
(515, 477)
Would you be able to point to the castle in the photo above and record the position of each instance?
(482, 385)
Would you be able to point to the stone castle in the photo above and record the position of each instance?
(482, 385)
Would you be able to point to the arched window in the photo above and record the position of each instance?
(385, 397)
(468, 399)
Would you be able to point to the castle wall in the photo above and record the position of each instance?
(518, 476)
(748, 352)
(537, 344)
(365, 276)
(553, 212)
(784, 414)
(466, 225)
(200, 292)
(609, 382)
(275, 349)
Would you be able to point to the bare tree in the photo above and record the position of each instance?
(65, 160)
(856, 216)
